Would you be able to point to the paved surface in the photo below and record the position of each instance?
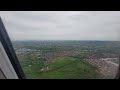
(106, 67)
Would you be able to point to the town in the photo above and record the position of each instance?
(104, 55)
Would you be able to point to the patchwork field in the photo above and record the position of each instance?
(62, 68)
(68, 59)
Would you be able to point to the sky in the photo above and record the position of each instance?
(62, 25)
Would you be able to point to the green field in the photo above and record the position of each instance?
(62, 68)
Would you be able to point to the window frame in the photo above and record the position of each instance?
(118, 73)
(7, 44)
(3, 75)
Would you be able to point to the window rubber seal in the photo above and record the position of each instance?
(7, 44)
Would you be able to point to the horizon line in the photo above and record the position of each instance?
(65, 40)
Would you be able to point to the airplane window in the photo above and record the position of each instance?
(65, 44)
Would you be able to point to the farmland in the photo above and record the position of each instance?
(68, 59)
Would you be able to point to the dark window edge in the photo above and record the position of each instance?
(118, 73)
(6, 42)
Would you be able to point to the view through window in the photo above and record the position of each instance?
(65, 44)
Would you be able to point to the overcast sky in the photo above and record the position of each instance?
(62, 25)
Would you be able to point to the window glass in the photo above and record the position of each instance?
(65, 44)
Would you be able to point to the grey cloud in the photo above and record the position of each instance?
(71, 25)
(37, 17)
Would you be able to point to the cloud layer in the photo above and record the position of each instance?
(62, 25)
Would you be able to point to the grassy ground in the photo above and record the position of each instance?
(62, 68)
